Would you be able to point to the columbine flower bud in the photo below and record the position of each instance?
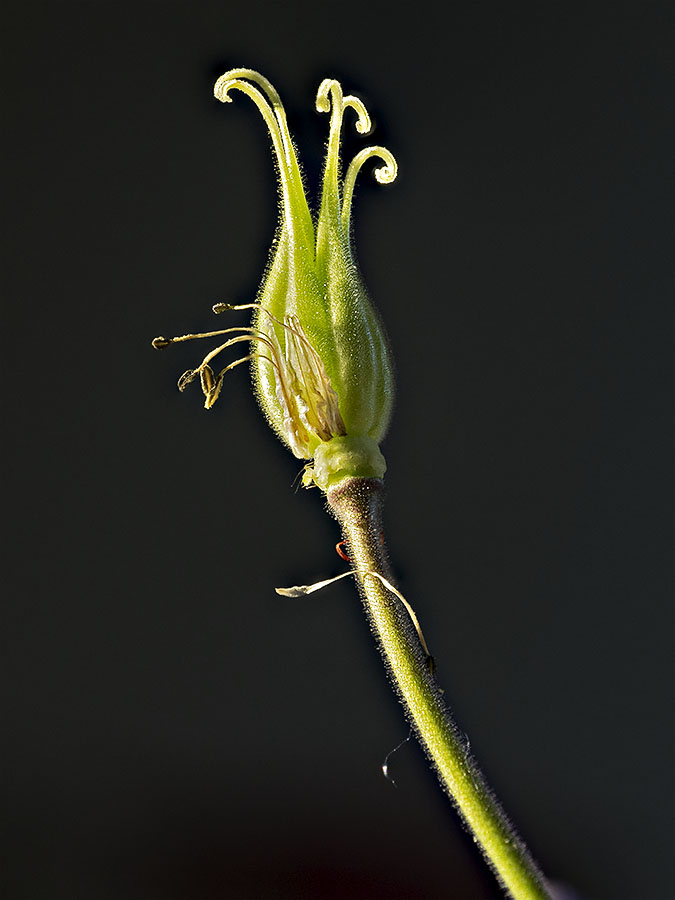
(319, 355)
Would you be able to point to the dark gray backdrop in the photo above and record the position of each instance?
(174, 730)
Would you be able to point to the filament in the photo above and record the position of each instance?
(304, 391)
(411, 612)
(211, 385)
(302, 590)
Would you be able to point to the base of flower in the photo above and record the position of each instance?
(347, 456)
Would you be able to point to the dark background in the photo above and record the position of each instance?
(174, 730)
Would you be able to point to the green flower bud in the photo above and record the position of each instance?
(320, 359)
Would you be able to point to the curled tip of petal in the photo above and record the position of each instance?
(330, 95)
(235, 78)
(363, 124)
(159, 343)
(221, 88)
(322, 95)
(384, 175)
(387, 174)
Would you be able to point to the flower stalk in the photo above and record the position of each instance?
(357, 505)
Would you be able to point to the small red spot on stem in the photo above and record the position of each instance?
(339, 549)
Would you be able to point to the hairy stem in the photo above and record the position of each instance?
(357, 504)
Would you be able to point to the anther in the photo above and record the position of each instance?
(214, 393)
(208, 380)
(219, 308)
(186, 378)
(159, 343)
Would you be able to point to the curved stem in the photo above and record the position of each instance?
(357, 504)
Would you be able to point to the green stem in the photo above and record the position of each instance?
(357, 504)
